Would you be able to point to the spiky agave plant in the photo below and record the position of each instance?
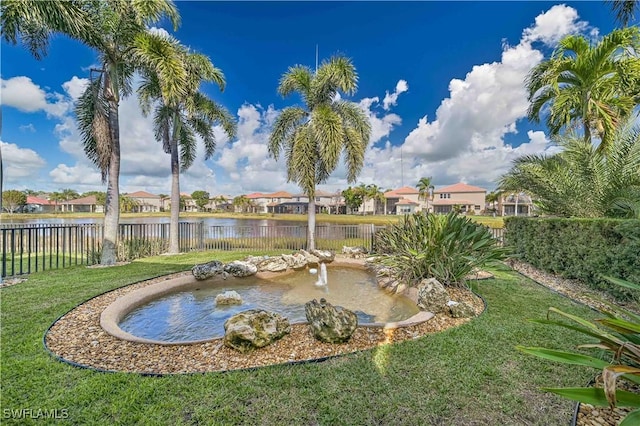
(618, 336)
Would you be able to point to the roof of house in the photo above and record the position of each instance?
(255, 195)
(450, 202)
(90, 200)
(320, 193)
(398, 193)
(185, 195)
(37, 200)
(142, 194)
(279, 194)
(405, 201)
(460, 187)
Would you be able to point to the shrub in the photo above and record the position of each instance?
(584, 249)
(444, 247)
(619, 338)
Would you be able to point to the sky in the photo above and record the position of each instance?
(442, 84)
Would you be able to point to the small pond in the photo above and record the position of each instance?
(192, 315)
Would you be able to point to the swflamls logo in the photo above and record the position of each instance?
(32, 413)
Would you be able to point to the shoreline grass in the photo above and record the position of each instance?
(467, 375)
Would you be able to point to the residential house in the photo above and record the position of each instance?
(82, 205)
(258, 202)
(331, 203)
(279, 201)
(512, 204)
(220, 203)
(467, 198)
(189, 203)
(403, 196)
(39, 205)
(145, 202)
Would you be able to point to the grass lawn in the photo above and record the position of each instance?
(468, 375)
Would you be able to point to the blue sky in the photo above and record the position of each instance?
(441, 82)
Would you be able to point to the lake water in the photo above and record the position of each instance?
(208, 221)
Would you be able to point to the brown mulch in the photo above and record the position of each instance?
(77, 337)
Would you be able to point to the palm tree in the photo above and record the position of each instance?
(241, 202)
(128, 204)
(581, 180)
(124, 45)
(425, 188)
(493, 197)
(594, 86)
(374, 192)
(179, 119)
(314, 136)
(624, 10)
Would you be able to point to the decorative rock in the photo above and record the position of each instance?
(331, 324)
(295, 261)
(311, 259)
(255, 259)
(273, 264)
(355, 252)
(239, 268)
(207, 270)
(432, 296)
(255, 328)
(461, 310)
(323, 255)
(229, 298)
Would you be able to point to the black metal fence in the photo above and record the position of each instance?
(37, 247)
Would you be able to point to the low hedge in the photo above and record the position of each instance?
(584, 249)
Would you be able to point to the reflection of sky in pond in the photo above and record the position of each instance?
(193, 315)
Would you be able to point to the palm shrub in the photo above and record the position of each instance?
(618, 343)
(445, 247)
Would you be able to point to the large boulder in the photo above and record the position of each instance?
(256, 260)
(461, 310)
(432, 296)
(324, 256)
(238, 268)
(273, 264)
(331, 324)
(255, 328)
(208, 270)
(356, 252)
(311, 259)
(229, 298)
(295, 261)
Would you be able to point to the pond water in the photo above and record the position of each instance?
(193, 315)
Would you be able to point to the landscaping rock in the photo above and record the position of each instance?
(461, 310)
(295, 261)
(432, 296)
(207, 270)
(239, 268)
(311, 259)
(273, 264)
(256, 260)
(324, 256)
(229, 298)
(331, 324)
(255, 328)
(355, 252)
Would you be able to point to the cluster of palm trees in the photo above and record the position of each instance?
(590, 95)
(356, 196)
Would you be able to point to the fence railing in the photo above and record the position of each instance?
(37, 247)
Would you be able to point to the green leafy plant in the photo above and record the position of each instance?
(618, 338)
(446, 247)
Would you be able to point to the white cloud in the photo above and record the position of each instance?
(80, 176)
(21, 165)
(21, 93)
(552, 25)
(27, 128)
(391, 99)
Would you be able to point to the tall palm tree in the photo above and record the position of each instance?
(374, 192)
(425, 188)
(582, 181)
(179, 119)
(124, 46)
(594, 86)
(314, 136)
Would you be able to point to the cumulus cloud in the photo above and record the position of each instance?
(21, 165)
(391, 99)
(79, 175)
(22, 93)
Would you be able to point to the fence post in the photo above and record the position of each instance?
(373, 237)
(201, 236)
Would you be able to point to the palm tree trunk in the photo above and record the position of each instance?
(311, 224)
(112, 208)
(174, 232)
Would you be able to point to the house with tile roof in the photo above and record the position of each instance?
(403, 196)
(468, 197)
(513, 204)
(39, 205)
(146, 202)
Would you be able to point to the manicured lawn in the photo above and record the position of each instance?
(468, 375)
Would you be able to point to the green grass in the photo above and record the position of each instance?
(467, 375)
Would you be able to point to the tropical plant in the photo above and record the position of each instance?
(581, 180)
(127, 204)
(618, 345)
(446, 247)
(13, 200)
(374, 192)
(179, 119)
(314, 136)
(624, 10)
(201, 198)
(493, 197)
(101, 197)
(595, 86)
(242, 203)
(425, 188)
(353, 198)
(69, 194)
